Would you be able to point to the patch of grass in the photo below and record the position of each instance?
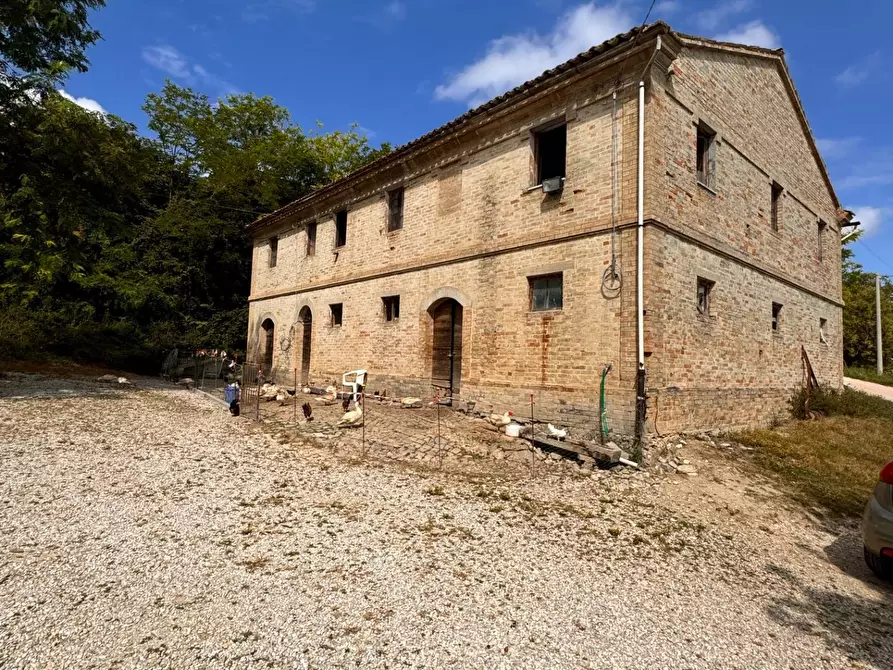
(833, 462)
(869, 375)
(845, 402)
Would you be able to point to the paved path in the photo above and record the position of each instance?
(870, 387)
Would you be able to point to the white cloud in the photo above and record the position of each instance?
(170, 61)
(754, 33)
(87, 103)
(167, 59)
(852, 76)
(513, 59)
(666, 8)
(871, 218)
(711, 19)
(837, 148)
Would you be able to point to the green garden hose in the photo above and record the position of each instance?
(601, 404)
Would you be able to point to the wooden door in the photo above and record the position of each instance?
(446, 364)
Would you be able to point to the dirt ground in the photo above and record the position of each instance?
(145, 527)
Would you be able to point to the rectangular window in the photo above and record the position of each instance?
(311, 238)
(546, 292)
(776, 204)
(337, 313)
(550, 150)
(391, 305)
(705, 288)
(823, 325)
(341, 228)
(776, 317)
(820, 242)
(395, 209)
(706, 159)
(274, 251)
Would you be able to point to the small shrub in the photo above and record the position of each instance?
(843, 402)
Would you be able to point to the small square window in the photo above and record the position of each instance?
(550, 150)
(274, 251)
(546, 292)
(823, 327)
(395, 209)
(337, 311)
(706, 158)
(391, 305)
(705, 288)
(776, 317)
(311, 238)
(776, 205)
(341, 228)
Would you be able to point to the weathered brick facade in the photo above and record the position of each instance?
(475, 232)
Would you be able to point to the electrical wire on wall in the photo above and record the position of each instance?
(612, 280)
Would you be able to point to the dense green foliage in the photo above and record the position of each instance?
(859, 320)
(116, 247)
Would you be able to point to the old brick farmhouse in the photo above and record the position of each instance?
(526, 245)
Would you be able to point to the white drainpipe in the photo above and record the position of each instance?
(640, 232)
(640, 258)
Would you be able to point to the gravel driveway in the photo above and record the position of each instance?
(146, 527)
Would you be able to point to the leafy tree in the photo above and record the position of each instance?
(859, 312)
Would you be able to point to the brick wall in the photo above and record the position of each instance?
(729, 369)
(475, 231)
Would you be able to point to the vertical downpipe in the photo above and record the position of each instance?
(640, 276)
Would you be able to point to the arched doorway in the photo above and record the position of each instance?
(269, 329)
(446, 360)
(305, 316)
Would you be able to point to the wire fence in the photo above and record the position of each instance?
(433, 429)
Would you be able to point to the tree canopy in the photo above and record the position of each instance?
(117, 246)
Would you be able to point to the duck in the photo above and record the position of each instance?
(352, 418)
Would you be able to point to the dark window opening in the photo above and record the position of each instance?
(821, 241)
(776, 317)
(341, 228)
(546, 292)
(706, 160)
(391, 307)
(823, 326)
(776, 204)
(551, 153)
(337, 313)
(395, 209)
(705, 288)
(311, 238)
(274, 251)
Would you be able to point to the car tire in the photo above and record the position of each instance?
(882, 568)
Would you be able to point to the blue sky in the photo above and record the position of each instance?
(399, 68)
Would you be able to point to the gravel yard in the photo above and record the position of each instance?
(147, 527)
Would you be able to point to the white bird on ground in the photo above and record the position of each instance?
(500, 420)
(352, 418)
(331, 396)
(557, 433)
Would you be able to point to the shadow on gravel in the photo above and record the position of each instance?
(861, 628)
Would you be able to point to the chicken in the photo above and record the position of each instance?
(281, 398)
(500, 420)
(557, 433)
(291, 392)
(305, 390)
(269, 392)
(352, 418)
(308, 411)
